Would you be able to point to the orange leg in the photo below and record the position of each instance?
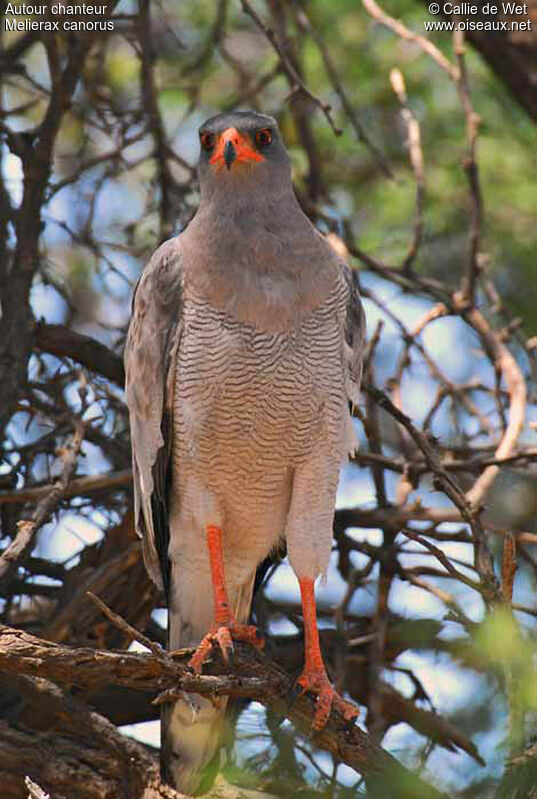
(224, 628)
(314, 677)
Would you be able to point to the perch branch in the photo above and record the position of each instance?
(22, 653)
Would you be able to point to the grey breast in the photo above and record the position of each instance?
(249, 401)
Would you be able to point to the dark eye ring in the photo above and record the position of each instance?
(263, 137)
(207, 141)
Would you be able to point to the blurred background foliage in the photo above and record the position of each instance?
(122, 179)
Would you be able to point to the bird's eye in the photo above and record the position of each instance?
(207, 141)
(263, 137)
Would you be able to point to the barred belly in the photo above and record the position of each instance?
(250, 408)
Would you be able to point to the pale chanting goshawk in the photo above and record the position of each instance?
(243, 353)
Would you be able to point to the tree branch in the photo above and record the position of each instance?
(260, 679)
(23, 542)
(64, 342)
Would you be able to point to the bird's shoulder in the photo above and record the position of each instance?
(155, 317)
(161, 279)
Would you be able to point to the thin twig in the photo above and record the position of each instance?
(401, 30)
(154, 121)
(297, 83)
(516, 386)
(22, 544)
(361, 133)
(508, 566)
(123, 625)
(471, 168)
(413, 143)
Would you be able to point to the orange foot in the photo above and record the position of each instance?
(317, 682)
(223, 637)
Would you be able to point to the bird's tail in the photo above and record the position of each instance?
(192, 729)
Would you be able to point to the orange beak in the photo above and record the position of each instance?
(233, 146)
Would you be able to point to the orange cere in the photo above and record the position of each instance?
(245, 152)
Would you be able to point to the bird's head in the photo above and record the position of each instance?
(240, 151)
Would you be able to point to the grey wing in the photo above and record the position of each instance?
(355, 329)
(150, 355)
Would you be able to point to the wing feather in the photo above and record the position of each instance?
(150, 355)
(355, 328)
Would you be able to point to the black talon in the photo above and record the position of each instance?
(294, 693)
(349, 723)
